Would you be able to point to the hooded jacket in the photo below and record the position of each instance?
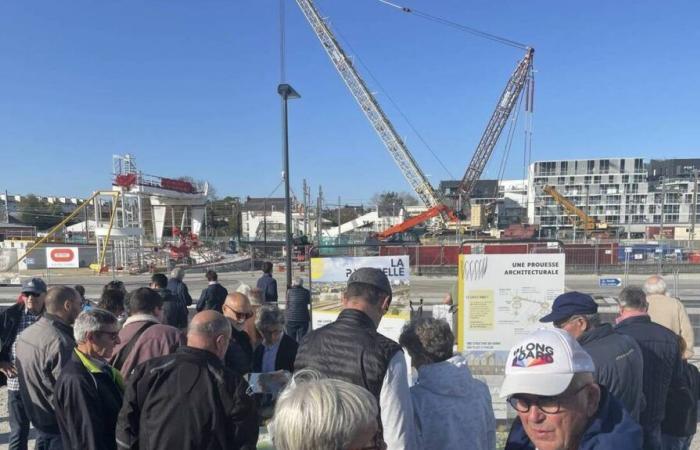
(612, 428)
(453, 408)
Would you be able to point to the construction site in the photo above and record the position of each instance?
(591, 209)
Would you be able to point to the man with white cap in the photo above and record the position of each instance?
(549, 383)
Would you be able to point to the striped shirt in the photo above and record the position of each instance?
(27, 319)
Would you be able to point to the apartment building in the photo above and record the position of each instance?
(628, 194)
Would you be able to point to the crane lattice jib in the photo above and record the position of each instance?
(587, 222)
(496, 124)
(398, 150)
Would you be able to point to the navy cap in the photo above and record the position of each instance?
(33, 286)
(570, 304)
(373, 277)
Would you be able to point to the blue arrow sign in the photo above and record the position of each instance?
(609, 282)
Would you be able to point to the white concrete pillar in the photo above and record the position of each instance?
(197, 219)
(158, 222)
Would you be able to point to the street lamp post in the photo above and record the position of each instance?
(287, 93)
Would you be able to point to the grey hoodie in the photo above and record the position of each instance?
(452, 408)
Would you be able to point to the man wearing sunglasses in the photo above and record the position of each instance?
(549, 383)
(239, 356)
(617, 358)
(13, 321)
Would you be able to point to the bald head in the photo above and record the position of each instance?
(209, 330)
(63, 302)
(237, 309)
(655, 285)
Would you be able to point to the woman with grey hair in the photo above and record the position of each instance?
(316, 413)
(278, 351)
(178, 287)
(88, 394)
(451, 406)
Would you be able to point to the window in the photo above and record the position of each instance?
(638, 165)
(622, 166)
(625, 178)
(561, 180)
(563, 167)
(591, 166)
(571, 180)
(587, 180)
(596, 179)
(604, 165)
(611, 178)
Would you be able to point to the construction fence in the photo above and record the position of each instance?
(441, 259)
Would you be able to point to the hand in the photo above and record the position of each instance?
(8, 369)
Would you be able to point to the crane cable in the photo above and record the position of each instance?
(391, 100)
(464, 28)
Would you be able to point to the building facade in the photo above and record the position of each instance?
(629, 194)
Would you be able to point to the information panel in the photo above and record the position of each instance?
(501, 299)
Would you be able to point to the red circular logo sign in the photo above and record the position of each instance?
(62, 255)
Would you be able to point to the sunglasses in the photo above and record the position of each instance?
(239, 315)
(32, 294)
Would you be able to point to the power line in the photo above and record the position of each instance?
(460, 27)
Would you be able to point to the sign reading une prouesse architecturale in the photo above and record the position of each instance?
(501, 299)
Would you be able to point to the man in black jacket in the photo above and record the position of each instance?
(174, 313)
(13, 321)
(278, 351)
(297, 310)
(239, 356)
(662, 360)
(213, 296)
(617, 358)
(219, 413)
(89, 391)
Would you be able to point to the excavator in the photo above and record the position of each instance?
(579, 219)
(436, 209)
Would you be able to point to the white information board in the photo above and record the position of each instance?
(501, 299)
(62, 257)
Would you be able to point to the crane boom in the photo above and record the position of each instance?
(380, 122)
(587, 222)
(496, 124)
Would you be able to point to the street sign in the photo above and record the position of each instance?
(609, 282)
(628, 249)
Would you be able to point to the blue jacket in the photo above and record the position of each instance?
(179, 290)
(612, 428)
(268, 286)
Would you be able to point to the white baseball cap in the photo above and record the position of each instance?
(544, 363)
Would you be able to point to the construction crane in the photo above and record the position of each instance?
(498, 120)
(380, 122)
(577, 216)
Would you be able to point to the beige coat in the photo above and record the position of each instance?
(669, 312)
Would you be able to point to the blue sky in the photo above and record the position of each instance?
(189, 88)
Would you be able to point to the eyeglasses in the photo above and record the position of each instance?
(113, 335)
(548, 405)
(239, 315)
(32, 294)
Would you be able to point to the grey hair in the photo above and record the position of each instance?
(268, 316)
(244, 289)
(218, 326)
(90, 321)
(428, 340)
(178, 273)
(655, 285)
(592, 319)
(298, 282)
(633, 297)
(321, 413)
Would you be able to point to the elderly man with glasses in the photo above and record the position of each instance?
(549, 383)
(617, 358)
(238, 311)
(89, 391)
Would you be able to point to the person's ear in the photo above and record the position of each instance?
(592, 399)
(386, 303)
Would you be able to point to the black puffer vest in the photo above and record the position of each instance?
(348, 349)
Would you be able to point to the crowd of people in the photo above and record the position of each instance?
(133, 370)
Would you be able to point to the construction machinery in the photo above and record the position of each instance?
(393, 142)
(579, 219)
